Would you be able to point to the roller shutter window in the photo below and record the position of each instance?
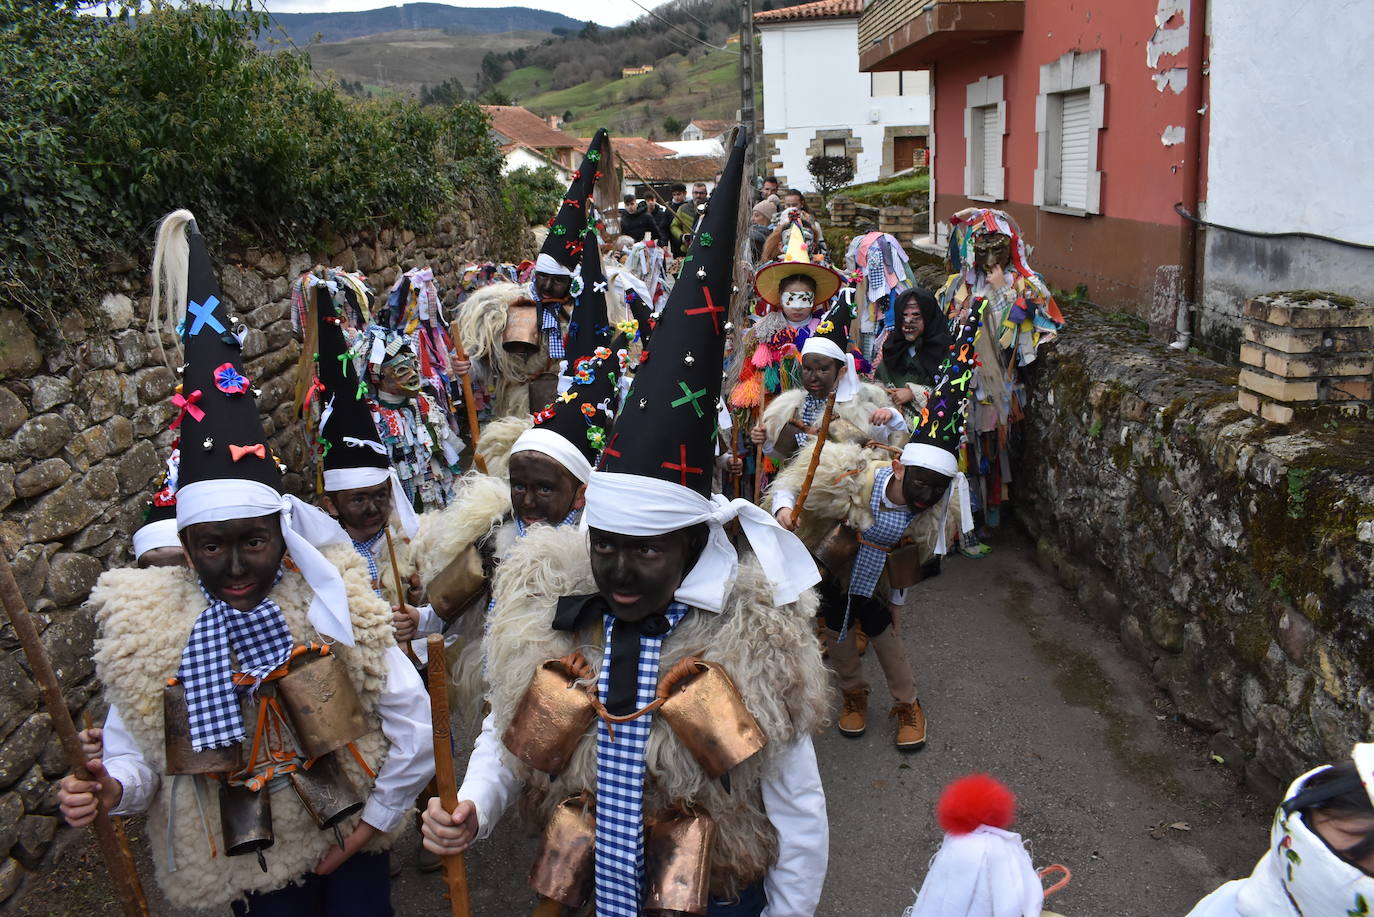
(990, 135)
(1076, 133)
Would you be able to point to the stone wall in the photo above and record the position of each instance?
(84, 410)
(1236, 558)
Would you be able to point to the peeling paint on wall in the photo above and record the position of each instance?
(1171, 32)
(1175, 79)
(1173, 135)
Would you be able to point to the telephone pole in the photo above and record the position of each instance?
(747, 113)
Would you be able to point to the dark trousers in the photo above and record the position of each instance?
(361, 887)
(750, 903)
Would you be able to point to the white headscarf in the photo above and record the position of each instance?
(631, 504)
(848, 385)
(927, 455)
(305, 528)
(547, 264)
(556, 447)
(985, 873)
(154, 535)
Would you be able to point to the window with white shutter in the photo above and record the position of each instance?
(984, 126)
(1069, 112)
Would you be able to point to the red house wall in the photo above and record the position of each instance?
(1117, 253)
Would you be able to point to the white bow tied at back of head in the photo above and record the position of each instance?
(630, 504)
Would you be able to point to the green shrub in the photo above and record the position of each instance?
(534, 194)
(107, 124)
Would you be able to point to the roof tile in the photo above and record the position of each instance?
(822, 9)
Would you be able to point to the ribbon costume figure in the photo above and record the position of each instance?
(988, 256)
(202, 666)
(877, 526)
(647, 614)
(515, 334)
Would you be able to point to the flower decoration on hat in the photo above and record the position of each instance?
(229, 380)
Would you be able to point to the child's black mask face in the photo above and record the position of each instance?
(820, 374)
(542, 490)
(922, 488)
(637, 575)
(237, 560)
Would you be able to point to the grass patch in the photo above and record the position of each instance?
(526, 81)
(891, 191)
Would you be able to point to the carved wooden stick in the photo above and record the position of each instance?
(123, 870)
(400, 591)
(455, 869)
(815, 458)
(468, 401)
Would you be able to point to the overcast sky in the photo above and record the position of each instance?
(606, 12)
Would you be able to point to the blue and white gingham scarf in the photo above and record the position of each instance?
(369, 553)
(812, 409)
(886, 530)
(257, 642)
(620, 771)
(570, 519)
(548, 324)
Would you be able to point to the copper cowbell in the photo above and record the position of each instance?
(320, 702)
(565, 867)
(706, 712)
(904, 566)
(521, 334)
(326, 792)
(182, 758)
(677, 862)
(458, 585)
(837, 549)
(552, 716)
(245, 819)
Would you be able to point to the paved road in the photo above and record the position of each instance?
(1018, 682)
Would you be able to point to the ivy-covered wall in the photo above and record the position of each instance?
(1235, 557)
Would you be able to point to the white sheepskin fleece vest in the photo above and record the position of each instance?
(769, 652)
(842, 490)
(480, 502)
(145, 617)
(848, 423)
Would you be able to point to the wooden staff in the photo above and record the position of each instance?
(125, 850)
(455, 870)
(400, 591)
(815, 457)
(118, 860)
(471, 403)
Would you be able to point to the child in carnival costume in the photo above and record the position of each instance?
(988, 257)
(863, 506)
(767, 358)
(651, 590)
(268, 576)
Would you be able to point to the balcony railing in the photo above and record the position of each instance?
(911, 34)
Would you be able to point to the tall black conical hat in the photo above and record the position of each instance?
(944, 416)
(667, 427)
(584, 412)
(348, 433)
(221, 431)
(564, 241)
(835, 325)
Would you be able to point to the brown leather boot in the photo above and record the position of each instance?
(911, 725)
(860, 640)
(854, 713)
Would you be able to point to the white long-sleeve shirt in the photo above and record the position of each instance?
(402, 707)
(792, 797)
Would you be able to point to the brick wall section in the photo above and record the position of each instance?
(1234, 557)
(83, 431)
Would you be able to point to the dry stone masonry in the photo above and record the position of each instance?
(83, 433)
(1234, 557)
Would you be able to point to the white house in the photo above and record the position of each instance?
(816, 101)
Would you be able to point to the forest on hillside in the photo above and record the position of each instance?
(686, 27)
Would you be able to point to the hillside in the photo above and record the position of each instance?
(404, 61)
(332, 27)
(638, 105)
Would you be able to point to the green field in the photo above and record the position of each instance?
(705, 88)
(404, 61)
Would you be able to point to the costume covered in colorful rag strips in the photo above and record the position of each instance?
(882, 271)
(1021, 316)
(400, 350)
(232, 772)
(767, 361)
(1300, 875)
(661, 821)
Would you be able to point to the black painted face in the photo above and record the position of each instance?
(542, 490)
(237, 560)
(820, 374)
(552, 287)
(362, 511)
(637, 575)
(162, 557)
(922, 488)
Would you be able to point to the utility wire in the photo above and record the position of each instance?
(681, 7)
(289, 40)
(675, 28)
